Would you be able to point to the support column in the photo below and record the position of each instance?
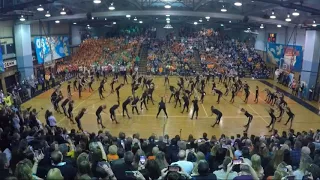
(22, 39)
(311, 57)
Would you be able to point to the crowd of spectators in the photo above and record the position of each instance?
(31, 150)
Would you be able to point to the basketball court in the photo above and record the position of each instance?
(146, 123)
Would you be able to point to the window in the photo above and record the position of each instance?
(10, 49)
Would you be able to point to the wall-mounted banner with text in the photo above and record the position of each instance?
(1, 62)
(51, 48)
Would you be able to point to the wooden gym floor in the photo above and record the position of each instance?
(146, 123)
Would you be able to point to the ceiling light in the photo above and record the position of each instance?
(207, 18)
(92, 18)
(279, 26)
(88, 25)
(114, 23)
(288, 19)
(128, 16)
(74, 23)
(195, 23)
(168, 15)
(111, 7)
(57, 21)
(272, 15)
(105, 19)
(47, 14)
(157, 18)
(295, 13)
(249, 28)
(63, 12)
(223, 9)
(314, 23)
(22, 18)
(40, 8)
(135, 19)
(261, 27)
(167, 19)
(221, 25)
(97, 1)
(140, 22)
(200, 20)
(167, 6)
(168, 26)
(168, 22)
(230, 22)
(237, 3)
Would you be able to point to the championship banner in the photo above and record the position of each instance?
(1, 62)
(51, 48)
(286, 57)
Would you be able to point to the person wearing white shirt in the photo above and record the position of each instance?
(16, 122)
(222, 174)
(52, 120)
(186, 166)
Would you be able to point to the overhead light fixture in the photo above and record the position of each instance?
(200, 20)
(40, 8)
(223, 9)
(140, 22)
(48, 14)
(167, 6)
(207, 18)
(157, 18)
(167, 19)
(279, 26)
(57, 21)
(261, 26)
(63, 12)
(92, 18)
(168, 15)
(195, 23)
(88, 25)
(168, 22)
(22, 18)
(295, 13)
(168, 26)
(249, 28)
(74, 23)
(288, 19)
(114, 23)
(128, 16)
(230, 21)
(105, 19)
(221, 25)
(97, 1)
(314, 23)
(135, 19)
(272, 15)
(111, 7)
(238, 3)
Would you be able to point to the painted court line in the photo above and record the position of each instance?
(204, 109)
(258, 114)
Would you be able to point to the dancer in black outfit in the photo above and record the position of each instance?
(70, 109)
(186, 103)
(118, 90)
(233, 94)
(143, 99)
(219, 94)
(63, 106)
(80, 88)
(100, 89)
(195, 108)
(177, 98)
(218, 113)
(162, 106)
(98, 114)
(56, 102)
(172, 90)
(75, 85)
(227, 89)
(124, 106)
(54, 96)
(213, 88)
(125, 80)
(249, 116)
(69, 88)
(291, 117)
(273, 119)
(281, 109)
(150, 92)
(166, 80)
(90, 83)
(134, 105)
(202, 96)
(257, 95)
(111, 84)
(102, 82)
(113, 113)
(247, 92)
(78, 118)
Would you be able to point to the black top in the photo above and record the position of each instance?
(216, 111)
(177, 94)
(289, 112)
(75, 82)
(70, 108)
(247, 114)
(114, 107)
(135, 101)
(272, 115)
(118, 88)
(99, 110)
(162, 104)
(126, 102)
(257, 91)
(68, 88)
(171, 88)
(195, 104)
(80, 115)
(185, 99)
(65, 102)
(144, 95)
(218, 92)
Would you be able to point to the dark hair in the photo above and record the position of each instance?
(56, 157)
(135, 148)
(203, 167)
(153, 169)
(120, 152)
(191, 157)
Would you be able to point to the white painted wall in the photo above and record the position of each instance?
(262, 38)
(75, 35)
(41, 29)
(6, 32)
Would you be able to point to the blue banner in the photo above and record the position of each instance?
(286, 57)
(51, 48)
(1, 62)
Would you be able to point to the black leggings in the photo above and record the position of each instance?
(195, 111)
(164, 110)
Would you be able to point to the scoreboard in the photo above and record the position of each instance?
(272, 37)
